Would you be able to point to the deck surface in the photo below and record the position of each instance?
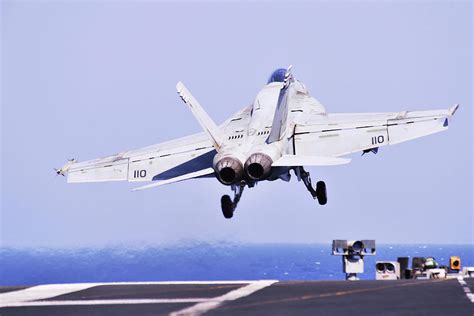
(403, 297)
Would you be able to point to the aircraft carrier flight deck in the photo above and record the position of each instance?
(266, 297)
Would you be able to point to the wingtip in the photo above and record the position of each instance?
(179, 86)
(453, 109)
(65, 168)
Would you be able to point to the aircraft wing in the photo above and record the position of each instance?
(177, 160)
(192, 175)
(157, 162)
(339, 134)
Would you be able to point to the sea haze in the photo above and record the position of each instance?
(199, 261)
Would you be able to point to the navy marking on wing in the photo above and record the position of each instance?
(198, 163)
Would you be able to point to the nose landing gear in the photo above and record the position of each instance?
(227, 204)
(320, 192)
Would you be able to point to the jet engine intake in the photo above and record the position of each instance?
(258, 166)
(229, 170)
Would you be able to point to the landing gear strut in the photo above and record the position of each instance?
(228, 206)
(320, 192)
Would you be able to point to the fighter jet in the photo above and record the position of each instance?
(284, 130)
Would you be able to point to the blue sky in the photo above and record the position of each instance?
(88, 79)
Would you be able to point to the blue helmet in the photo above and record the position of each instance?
(277, 76)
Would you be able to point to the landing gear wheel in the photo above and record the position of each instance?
(321, 193)
(227, 206)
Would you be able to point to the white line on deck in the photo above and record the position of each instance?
(204, 307)
(466, 289)
(107, 302)
(42, 292)
(32, 296)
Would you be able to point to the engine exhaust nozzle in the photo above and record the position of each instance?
(257, 166)
(229, 170)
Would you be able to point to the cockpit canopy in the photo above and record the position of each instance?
(277, 76)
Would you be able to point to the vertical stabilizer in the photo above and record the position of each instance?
(281, 112)
(207, 124)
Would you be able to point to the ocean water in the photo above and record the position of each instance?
(200, 261)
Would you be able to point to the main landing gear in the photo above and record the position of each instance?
(228, 206)
(320, 192)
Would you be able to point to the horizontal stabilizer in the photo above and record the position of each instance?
(296, 160)
(207, 124)
(197, 174)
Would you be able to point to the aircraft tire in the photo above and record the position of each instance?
(227, 206)
(321, 192)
